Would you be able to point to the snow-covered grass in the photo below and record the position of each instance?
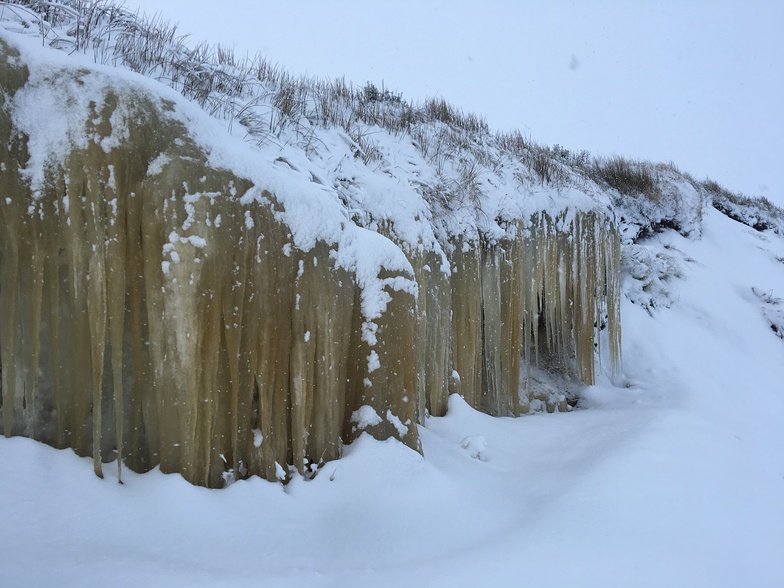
(647, 80)
(272, 108)
(672, 477)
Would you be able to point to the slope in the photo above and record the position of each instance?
(675, 478)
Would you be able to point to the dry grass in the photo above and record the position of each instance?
(759, 213)
(630, 177)
(268, 102)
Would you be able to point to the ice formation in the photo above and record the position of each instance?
(162, 307)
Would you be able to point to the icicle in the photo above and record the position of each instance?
(37, 279)
(302, 355)
(233, 302)
(383, 366)
(434, 309)
(493, 393)
(467, 319)
(139, 449)
(8, 300)
(52, 280)
(613, 296)
(512, 322)
(331, 303)
(418, 264)
(76, 323)
(116, 256)
(96, 306)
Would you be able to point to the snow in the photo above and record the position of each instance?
(402, 429)
(670, 475)
(475, 446)
(258, 438)
(652, 80)
(364, 417)
(373, 362)
(674, 476)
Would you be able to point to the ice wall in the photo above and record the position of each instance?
(545, 289)
(152, 311)
(161, 309)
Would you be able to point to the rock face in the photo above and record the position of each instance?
(156, 309)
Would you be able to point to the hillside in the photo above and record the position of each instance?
(673, 478)
(374, 215)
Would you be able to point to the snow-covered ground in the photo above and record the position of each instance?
(672, 477)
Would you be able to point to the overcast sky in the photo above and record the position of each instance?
(696, 82)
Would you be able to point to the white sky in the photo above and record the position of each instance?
(696, 82)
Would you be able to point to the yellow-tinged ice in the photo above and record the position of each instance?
(136, 326)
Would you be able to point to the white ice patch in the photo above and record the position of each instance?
(401, 428)
(368, 255)
(112, 183)
(373, 361)
(369, 330)
(156, 165)
(258, 438)
(364, 417)
(170, 249)
(113, 205)
(196, 241)
(191, 200)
